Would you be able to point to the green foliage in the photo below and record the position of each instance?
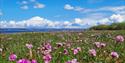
(16, 43)
(114, 26)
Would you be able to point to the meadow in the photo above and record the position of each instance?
(63, 47)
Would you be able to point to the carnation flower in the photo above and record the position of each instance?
(114, 54)
(92, 52)
(119, 38)
(23, 61)
(12, 57)
(29, 46)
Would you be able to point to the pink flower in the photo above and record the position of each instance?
(34, 61)
(29, 46)
(65, 51)
(79, 48)
(75, 51)
(47, 46)
(99, 44)
(47, 58)
(72, 61)
(92, 52)
(103, 44)
(59, 44)
(12, 57)
(23, 61)
(119, 38)
(114, 54)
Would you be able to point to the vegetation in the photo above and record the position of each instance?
(16, 43)
(114, 26)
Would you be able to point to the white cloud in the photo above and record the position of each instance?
(39, 5)
(25, 7)
(12, 24)
(68, 7)
(26, 4)
(34, 22)
(114, 9)
(117, 18)
(39, 22)
(92, 21)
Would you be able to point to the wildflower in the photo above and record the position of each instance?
(103, 44)
(23, 61)
(99, 44)
(72, 61)
(65, 51)
(47, 58)
(119, 38)
(12, 57)
(75, 51)
(79, 48)
(59, 44)
(33, 61)
(92, 52)
(114, 54)
(29, 46)
(47, 46)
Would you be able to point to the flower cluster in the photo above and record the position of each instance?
(46, 50)
(99, 44)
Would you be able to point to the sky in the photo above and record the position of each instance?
(60, 13)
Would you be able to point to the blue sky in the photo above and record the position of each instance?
(72, 13)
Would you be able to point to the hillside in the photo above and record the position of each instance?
(114, 26)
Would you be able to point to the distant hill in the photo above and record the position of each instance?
(114, 26)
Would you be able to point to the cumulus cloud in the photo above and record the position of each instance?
(76, 8)
(91, 21)
(39, 22)
(26, 4)
(117, 18)
(39, 5)
(68, 7)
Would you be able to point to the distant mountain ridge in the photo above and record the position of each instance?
(16, 30)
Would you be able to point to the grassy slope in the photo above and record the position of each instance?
(114, 26)
(16, 43)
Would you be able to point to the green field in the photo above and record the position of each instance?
(16, 43)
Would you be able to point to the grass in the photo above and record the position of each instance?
(16, 43)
